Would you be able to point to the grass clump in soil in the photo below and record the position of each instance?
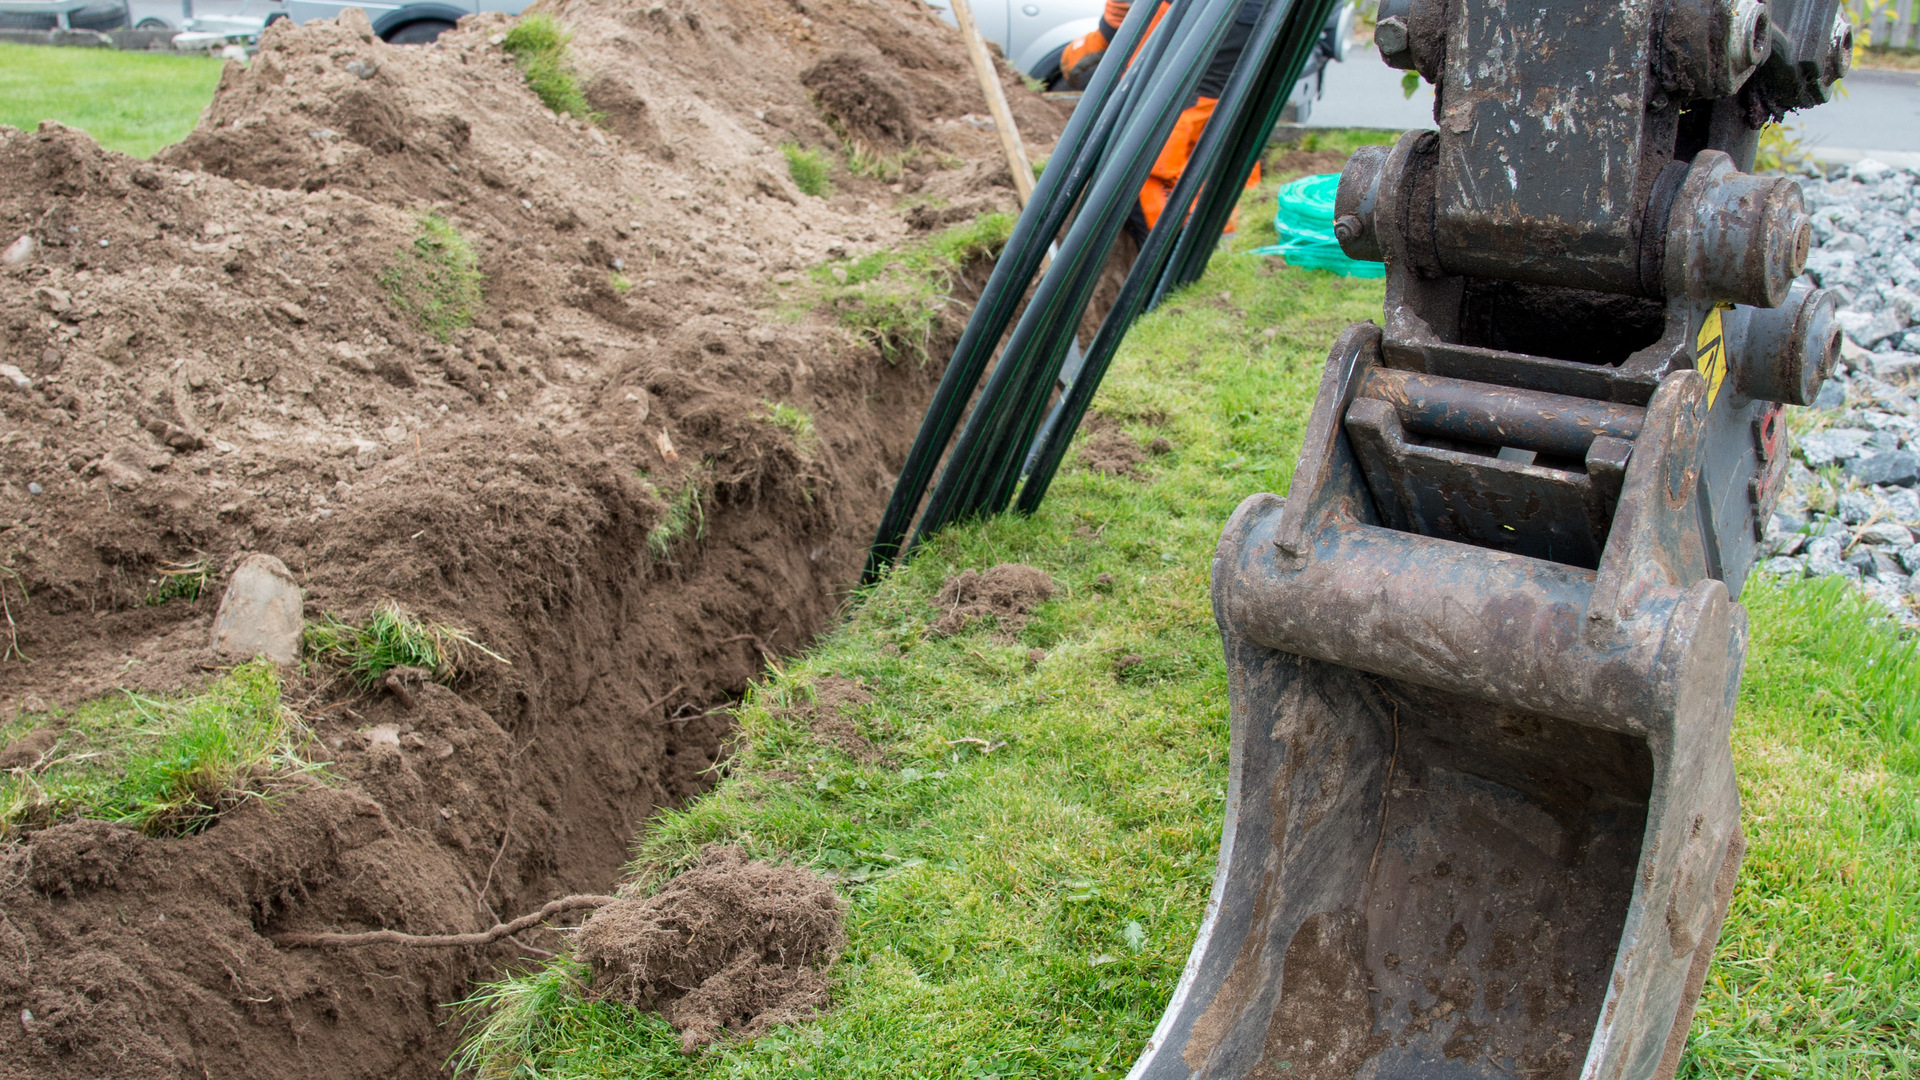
(133, 102)
(685, 518)
(1029, 853)
(809, 170)
(436, 279)
(180, 581)
(797, 422)
(538, 43)
(863, 160)
(895, 298)
(167, 767)
(393, 637)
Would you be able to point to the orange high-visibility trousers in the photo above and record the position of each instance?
(1080, 56)
(1173, 161)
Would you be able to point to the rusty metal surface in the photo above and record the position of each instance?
(1483, 659)
(1476, 797)
(1500, 416)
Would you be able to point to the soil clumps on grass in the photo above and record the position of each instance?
(387, 317)
(731, 946)
(1113, 452)
(824, 717)
(1008, 593)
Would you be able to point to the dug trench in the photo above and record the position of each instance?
(597, 472)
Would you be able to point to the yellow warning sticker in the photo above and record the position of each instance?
(1710, 355)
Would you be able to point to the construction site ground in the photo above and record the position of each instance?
(1025, 817)
(1018, 792)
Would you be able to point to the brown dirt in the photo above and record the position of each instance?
(216, 371)
(1008, 593)
(1112, 451)
(824, 719)
(730, 946)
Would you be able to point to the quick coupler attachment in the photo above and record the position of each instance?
(1482, 820)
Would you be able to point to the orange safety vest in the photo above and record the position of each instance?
(1186, 130)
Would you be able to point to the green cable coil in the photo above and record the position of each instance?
(1304, 221)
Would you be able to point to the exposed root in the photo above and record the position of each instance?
(439, 941)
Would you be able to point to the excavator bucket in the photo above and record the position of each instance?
(1483, 658)
(1482, 818)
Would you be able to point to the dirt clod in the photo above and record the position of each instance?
(1114, 453)
(872, 103)
(831, 695)
(1007, 593)
(27, 750)
(730, 946)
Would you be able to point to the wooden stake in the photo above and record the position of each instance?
(996, 101)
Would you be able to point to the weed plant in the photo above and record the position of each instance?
(167, 767)
(1027, 870)
(436, 279)
(1780, 150)
(538, 43)
(895, 298)
(393, 637)
(11, 582)
(809, 170)
(863, 160)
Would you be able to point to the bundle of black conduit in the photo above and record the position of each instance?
(1104, 156)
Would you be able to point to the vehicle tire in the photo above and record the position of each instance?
(417, 32)
(152, 24)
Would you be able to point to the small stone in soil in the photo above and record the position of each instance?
(261, 613)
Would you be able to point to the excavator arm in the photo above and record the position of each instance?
(1484, 656)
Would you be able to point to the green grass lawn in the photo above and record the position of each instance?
(133, 102)
(1026, 912)
(165, 766)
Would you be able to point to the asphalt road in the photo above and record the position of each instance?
(1878, 115)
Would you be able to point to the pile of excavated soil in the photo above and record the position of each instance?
(1007, 593)
(209, 366)
(730, 946)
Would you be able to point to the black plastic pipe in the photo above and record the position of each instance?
(1060, 183)
(1039, 338)
(1265, 57)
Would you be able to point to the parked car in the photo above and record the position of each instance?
(229, 17)
(405, 23)
(100, 15)
(1031, 34)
